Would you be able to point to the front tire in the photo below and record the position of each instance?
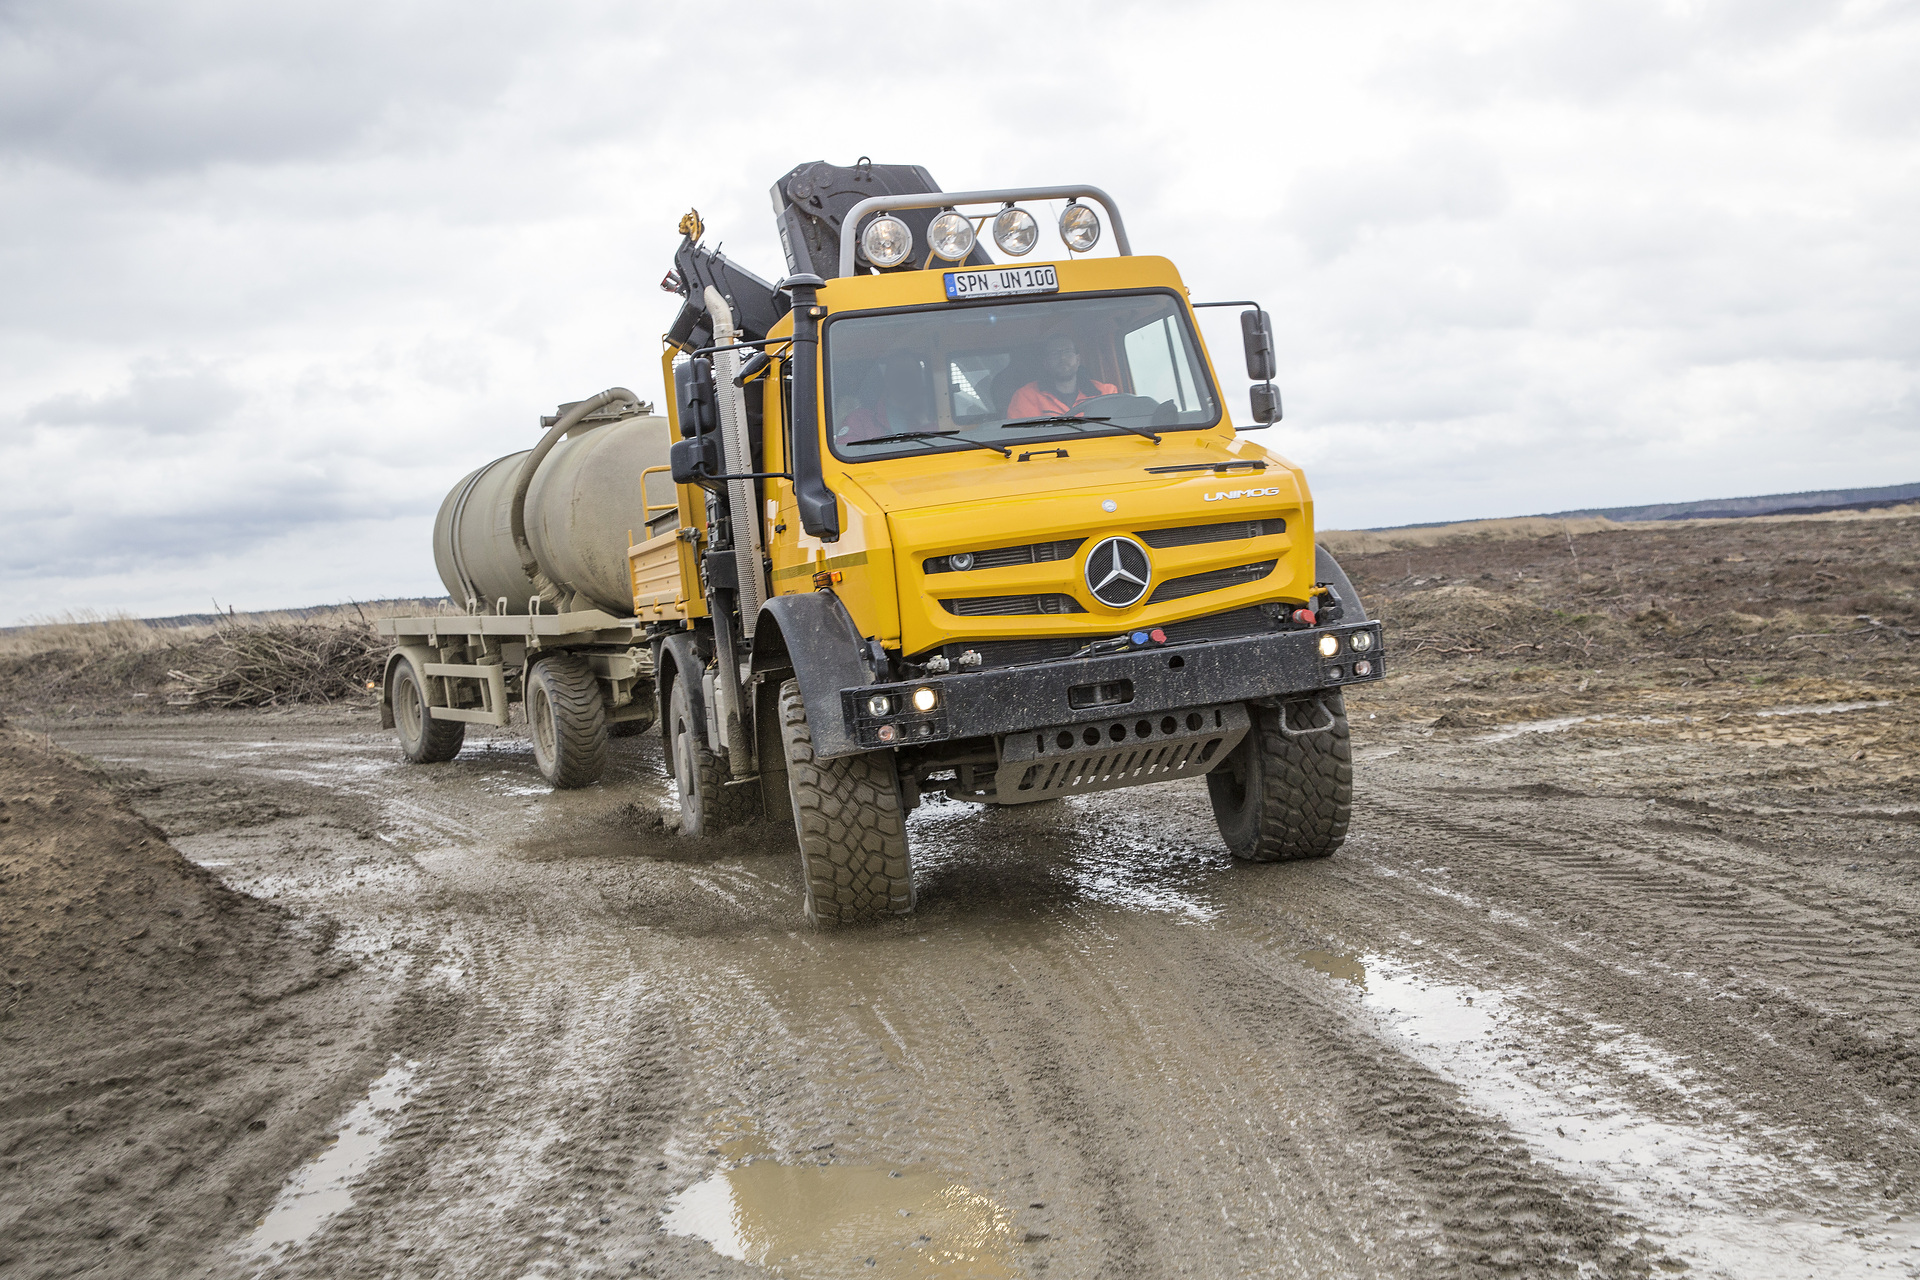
(1286, 792)
(568, 722)
(851, 823)
(423, 739)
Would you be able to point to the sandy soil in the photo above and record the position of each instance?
(1616, 976)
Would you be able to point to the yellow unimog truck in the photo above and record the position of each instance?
(938, 519)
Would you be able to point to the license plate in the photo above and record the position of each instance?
(1000, 282)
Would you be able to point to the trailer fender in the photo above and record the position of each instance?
(813, 636)
(420, 655)
(1326, 569)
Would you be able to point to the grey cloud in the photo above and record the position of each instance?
(155, 401)
(1439, 178)
(140, 89)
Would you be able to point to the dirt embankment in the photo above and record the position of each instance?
(1643, 619)
(168, 1046)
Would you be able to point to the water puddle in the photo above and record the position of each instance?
(1534, 726)
(1716, 1199)
(831, 1220)
(1821, 709)
(324, 1187)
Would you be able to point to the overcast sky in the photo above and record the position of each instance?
(272, 277)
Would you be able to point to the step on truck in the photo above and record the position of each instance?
(922, 517)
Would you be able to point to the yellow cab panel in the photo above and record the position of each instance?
(998, 538)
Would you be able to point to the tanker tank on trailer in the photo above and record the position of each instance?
(918, 518)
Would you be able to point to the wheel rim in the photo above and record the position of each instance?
(540, 719)
(409, 710)
(684, 773)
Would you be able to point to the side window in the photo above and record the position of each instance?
(971, 384)
(1156, 360)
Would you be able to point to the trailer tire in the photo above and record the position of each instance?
(707, 804)
(1285, 796)
(567, 721)
(423, 740)
(852, 826)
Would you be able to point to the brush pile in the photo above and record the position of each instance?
(278, 664)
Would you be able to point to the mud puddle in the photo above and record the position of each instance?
(1611, 1108)
(323, 1189)
(833, 1220)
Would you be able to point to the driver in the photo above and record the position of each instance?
(1061, 387)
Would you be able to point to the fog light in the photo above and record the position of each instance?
(925, 699)
(1015, 231)
(950, 236)
(1361, 641)
(886, 241)
(1079, 227)
(879, 704)
(1329, 645)
(960, 561)
(887, 733)
(1363, 668)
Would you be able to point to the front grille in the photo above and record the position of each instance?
(1194, 534)
(1252, 620)
(993, 606)
(1001, 557)
(1212, 580)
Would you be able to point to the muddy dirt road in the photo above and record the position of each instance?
(1588, 997)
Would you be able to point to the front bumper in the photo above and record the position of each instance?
(1138, 682)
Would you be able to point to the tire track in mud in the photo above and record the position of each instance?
(1095, 1011)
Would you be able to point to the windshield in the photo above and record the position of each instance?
(1012, 373)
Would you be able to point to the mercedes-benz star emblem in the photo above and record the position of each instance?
(1118, 572)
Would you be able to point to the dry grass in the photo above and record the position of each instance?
(86, 662)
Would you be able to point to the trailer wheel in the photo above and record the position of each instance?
(1286, 792)
(567, 721)
(423, 739)
(851, 823)
(707, 804)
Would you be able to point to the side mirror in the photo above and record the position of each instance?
(1266, 404)
(694, 397)
(1256, 330)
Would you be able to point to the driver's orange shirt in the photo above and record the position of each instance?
(1031, 402)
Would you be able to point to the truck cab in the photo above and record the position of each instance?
(946, 522)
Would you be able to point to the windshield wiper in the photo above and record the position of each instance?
(1255, 463)
(1067, 420)
(898, 436)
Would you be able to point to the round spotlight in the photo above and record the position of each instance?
(1079, 227)
(886, 241)
(950, 236)
(879, 704)
(925, 699)
(960, 561)
(1361, 641)
(1329, 645)
(1015, 231)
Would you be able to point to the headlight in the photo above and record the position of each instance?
(1079, 227)
(925, 699)
(1015, 231)
(1329, 645)
(951, 236)
(879, 704)
(1361, 641)
(886, 241)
